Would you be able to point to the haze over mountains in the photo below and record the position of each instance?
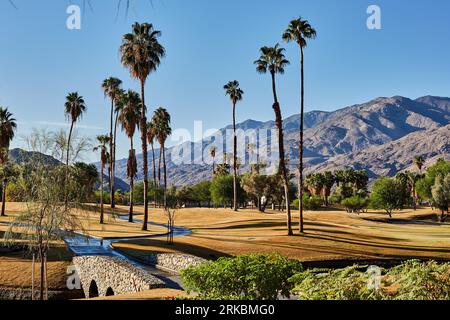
(381, 136)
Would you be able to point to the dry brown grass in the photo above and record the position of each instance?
(15, 269)
(154, 294)
(330, 235)
(112, 228)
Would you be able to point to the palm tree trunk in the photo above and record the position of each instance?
(32, 274)
(159, 165)
(67, 163)
(155, 195)
(42, 275)
(101, 191)
(130, 216)
(111, 156)
(300, 147)
(282, 165)
(113, 164)
(3, 197)
(144, 155)
(235, 208)
(165, 175)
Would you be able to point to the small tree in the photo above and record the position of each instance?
(46, 214)
(441, 194)
(387, 195)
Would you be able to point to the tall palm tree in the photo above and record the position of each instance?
(419, 161)
(161, 119)
(299, 31)
(112, 88)
(151, 134)
(8, 126)
(129, 119)
(235, 93)
(212, 153)
(74, 108)
(273, 60)
(141, 53)
(103, 141)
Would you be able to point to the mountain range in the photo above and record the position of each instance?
(381, 136)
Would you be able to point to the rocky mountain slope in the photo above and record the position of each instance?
(381, 136)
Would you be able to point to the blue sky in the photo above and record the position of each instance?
(209, 42)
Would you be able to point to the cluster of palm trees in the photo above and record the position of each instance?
(321, 183)
(409, 179)
(141, 53)
(272, 60)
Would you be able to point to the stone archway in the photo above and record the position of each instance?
(109, 292)
(93, 290)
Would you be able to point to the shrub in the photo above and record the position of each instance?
(248, 277)
(416, 280)
(312, 203)
(340, 284)
(412, 280)
(355, 204)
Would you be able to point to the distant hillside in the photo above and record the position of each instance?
(343, 137)
(20, 156)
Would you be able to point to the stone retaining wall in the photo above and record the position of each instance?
(173, 262)
(102, 275)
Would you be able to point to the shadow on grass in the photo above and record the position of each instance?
(161, 246)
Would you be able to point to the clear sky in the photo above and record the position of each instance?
(209, 42)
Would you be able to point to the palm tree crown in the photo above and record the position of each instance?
(129, 115)
(103, 141)
(151, 132)
(161, 121)
(140, 50)
(298, 31)
(419, 161)
(233, 91)
(74, 106)
(272, 59)
(8, 127)
(111, 87)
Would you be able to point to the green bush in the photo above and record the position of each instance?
(312, 203)
(355, 204)
(248, 277)
(387, 194)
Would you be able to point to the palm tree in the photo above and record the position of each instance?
(235, 93)
(141, 53)
(419, 161)
(151, 133)
(161, 119)
(8, 128)
(212, 152)
(328, 182)
(103, 140)
(112, 88)
(74, 109)
(298, 31)
(272, 60)
(129, 119)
